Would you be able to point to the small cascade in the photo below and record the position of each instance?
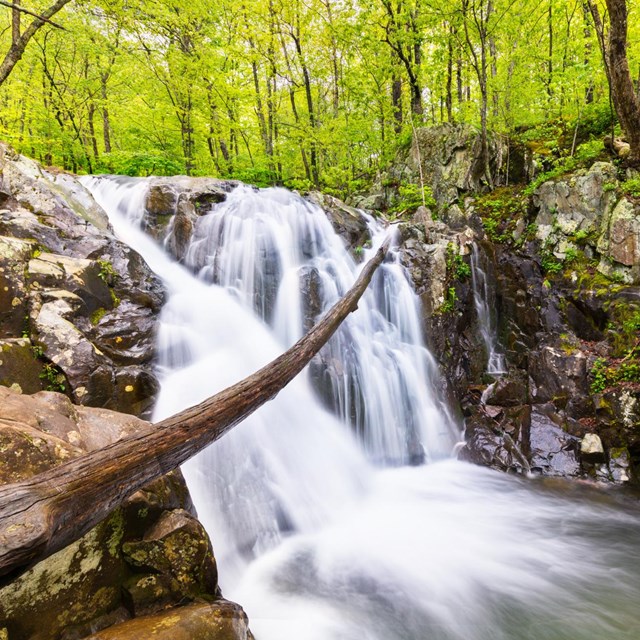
(280, 256)
(484, 298)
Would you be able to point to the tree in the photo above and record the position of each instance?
(20, 39)
(623, 92)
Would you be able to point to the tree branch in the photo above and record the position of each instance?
(11, 5)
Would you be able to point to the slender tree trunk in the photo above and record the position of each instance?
(449, 94)
(43, 514)
(549, 80)
(396, 101)
(588, 92)
(106, 124)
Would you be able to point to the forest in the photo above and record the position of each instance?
(303, 93)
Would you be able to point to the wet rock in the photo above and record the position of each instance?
(312, 292)
(620, 466)
(185, 196)
(553, 451)
(561, 377)
(348, 222)
(509, 391)
(221, 620)
(126, 334)
(498, 437)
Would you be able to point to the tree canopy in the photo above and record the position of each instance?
(299, 92)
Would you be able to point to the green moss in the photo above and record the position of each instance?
(97, 315)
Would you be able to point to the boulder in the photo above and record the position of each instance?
(220, 621)
(619, 243)
(562, 378)
(348, 222)
(553, 451)
(449, 155)
(185, 197)
(577, 203)
(591, 449)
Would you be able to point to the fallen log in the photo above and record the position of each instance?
(45, 513)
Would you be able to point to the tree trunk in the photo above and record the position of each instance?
(43, 514)
(624, 96)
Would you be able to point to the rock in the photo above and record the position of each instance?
(86, 303)
(14, 254)
(575, 204)
(348, 223)
(312, 292)
(562, 378)
(450, 158)
(508, 391)
(553, 452)
(19, 365)
(177, 548)
(220, 621)
(619, 243)
(185, 196)
(620, 465)
(591, 448)
(498, 438)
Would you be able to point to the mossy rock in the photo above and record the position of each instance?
(220, 620)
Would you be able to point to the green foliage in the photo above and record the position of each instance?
(599, 376)
(606, 374)
(53, 378)
(550, 264)
(410, 197)
(456, 266)
(631, 187)
(500, 211)
(106, 272)
(138, 164)
(570, 256)
(97, 315)
(450, 300)
(585, 155)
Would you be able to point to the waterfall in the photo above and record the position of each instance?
(484, 298)
(322, 528)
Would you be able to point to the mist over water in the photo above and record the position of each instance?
(322, 528)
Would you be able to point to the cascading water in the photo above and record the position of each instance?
(313, 538)
(484, 299)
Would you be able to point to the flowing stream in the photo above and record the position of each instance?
(325, 521)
